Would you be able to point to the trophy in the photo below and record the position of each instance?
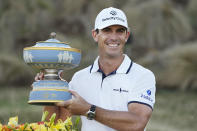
(51, 57)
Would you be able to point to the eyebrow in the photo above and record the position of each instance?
(121, 28)
(105, 28)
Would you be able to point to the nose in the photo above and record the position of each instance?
(114, 36)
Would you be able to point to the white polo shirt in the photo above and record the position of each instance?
(130, 83)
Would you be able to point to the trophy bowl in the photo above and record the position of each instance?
(51, 57)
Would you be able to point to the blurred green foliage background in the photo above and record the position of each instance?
(164, 39)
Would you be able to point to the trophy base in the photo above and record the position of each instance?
(43, 103)
(49, 92)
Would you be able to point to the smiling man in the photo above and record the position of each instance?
(114, 93)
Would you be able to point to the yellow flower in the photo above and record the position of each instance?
(21, 127)
(0, 126)
(68, 121)
(34, 126)
(13, 121)
(39, 126)
(59, 125)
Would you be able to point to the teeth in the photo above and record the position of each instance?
(113, 45)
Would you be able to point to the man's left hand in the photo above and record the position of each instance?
(77, 105)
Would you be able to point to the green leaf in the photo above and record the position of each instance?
(77, 122)
(52, 119)
(25, 126)
(44, 115)
(11, 128)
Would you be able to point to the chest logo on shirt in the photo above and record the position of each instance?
(121, 90)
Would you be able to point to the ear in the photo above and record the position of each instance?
(95, 35)
(127, 36)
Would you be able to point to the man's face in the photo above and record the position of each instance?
(111, 40)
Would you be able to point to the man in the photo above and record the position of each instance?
(114, 93)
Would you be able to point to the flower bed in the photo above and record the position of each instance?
(60, 125)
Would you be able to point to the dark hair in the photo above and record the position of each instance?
(97, 31)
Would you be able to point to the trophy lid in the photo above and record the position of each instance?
(52, 54)
(52, 42)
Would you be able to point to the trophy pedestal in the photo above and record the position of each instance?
(50, 90)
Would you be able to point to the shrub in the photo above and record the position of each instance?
(14, 71)
(175, 67)
(158, 24)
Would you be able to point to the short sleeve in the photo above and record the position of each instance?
(144, 90)
(72, 83)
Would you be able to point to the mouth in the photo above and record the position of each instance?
(113, 45)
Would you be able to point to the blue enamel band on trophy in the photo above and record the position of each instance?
(50, 56)
(46, 96)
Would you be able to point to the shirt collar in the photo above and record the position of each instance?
(123, 68)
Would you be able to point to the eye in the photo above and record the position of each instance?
(121, 30)
(106, 29)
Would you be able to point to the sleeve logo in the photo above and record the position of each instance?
(147, 97)
(148, 92)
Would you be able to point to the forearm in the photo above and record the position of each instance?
(119, 120)
(135, 119)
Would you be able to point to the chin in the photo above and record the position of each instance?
(114, 55)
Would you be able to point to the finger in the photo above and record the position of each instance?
(74, 93)
(64, 103)
(37, 77)
(41, 75)
(60, 73)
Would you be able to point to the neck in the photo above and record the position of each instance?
(109, 65)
